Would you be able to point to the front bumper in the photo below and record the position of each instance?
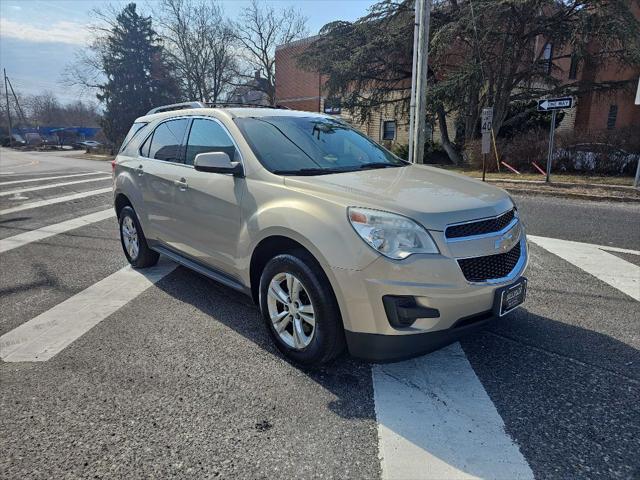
(435, 282)
(385, 348)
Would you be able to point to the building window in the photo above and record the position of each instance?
(613, 116)
(547, 55)
(573, 68)
(389, 130)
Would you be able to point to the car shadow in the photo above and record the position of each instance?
(347, 378)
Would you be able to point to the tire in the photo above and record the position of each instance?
(131, 234)
(326, 341)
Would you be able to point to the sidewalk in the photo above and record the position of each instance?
(586, 191)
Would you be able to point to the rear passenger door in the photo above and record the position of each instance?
(209, 204)
(162, 156)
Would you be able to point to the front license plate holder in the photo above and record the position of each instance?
(510, 297)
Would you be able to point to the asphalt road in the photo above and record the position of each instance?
(183, 380)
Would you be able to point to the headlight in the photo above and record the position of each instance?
(392, 235)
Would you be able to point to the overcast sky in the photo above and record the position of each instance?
(38, 39)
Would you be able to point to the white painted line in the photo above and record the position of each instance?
(44, 179)
(25, 238)
(436, 421)
(52, 185)
(620, 274)
(618, 250)
(46, 335)
(51, 201)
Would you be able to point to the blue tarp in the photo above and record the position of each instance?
(84, 132)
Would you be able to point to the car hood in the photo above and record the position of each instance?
(432, 196)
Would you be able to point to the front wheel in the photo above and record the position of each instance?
(300, 309)
(134, 242)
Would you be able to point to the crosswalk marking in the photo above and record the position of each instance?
(25, 238)
(436, 421)
(620, 274)
(44, 179)
(52, 185)
(46, 335)
(51, 201)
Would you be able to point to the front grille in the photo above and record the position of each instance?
(480, 227)
(481, 269)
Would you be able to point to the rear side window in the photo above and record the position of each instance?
(208, 136)
(135, 128)
(166, 141)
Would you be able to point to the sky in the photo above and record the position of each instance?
(38, 39)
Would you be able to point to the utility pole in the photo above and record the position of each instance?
(6, 91)
(418, 106)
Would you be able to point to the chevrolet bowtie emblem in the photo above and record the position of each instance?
(507, 241)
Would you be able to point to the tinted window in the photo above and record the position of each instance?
(312, 146)
(166, 142)
(208, 136)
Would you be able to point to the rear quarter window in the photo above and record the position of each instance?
(133, 131)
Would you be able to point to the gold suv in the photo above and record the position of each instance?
(338, 241)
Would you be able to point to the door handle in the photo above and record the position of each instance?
(181, 184)
(139, 170)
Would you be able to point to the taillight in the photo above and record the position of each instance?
(113, 168)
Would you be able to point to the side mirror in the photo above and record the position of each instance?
(217, 162)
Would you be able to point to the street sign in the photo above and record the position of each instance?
(551, 104)
(487, 119)
(486, 122)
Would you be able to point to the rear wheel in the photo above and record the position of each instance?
(300, 309)
(133, 240)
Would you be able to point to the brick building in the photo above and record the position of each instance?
(303, 90)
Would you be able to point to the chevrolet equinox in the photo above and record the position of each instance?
(339, 242)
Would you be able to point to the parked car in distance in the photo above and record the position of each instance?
(339, 242)
(15, 140)
(596, 157)
(86, 145)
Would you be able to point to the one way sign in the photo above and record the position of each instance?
(549, 104)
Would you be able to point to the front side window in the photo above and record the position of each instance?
(290, 145)
(166, 141)
(208, 136)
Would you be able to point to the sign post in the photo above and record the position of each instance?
(553, 105)
(636, 182)
(486, 125)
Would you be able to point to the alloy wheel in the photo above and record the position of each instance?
(291, 310)
(130, 237)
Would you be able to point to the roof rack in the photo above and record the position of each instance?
(176, 106)
(240, 104)
(184, 105)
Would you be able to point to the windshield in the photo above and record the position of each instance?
(312, 146)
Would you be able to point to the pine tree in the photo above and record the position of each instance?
(138, 77)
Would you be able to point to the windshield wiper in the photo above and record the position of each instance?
(309, 171)
(368, 166)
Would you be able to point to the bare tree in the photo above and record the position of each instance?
(260, 29)
(200, 45)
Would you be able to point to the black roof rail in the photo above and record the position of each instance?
(184, 105)
(176, 106)
(240, 104)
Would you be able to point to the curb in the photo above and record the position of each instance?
(580, 196)
(621, 188)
